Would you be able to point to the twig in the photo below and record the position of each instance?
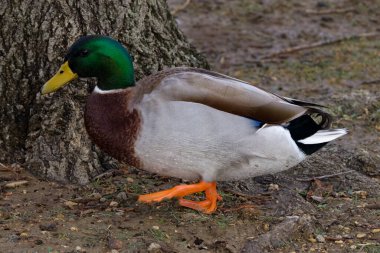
(4, 168)
(332, 11)
(373, 206)
(320, 44)
(240, 194)
(330, 238)
(364, 245)
(234, 209)
(13, 178)
(15, 184)
(257, 198)
(180, 7)
(5, 178)
(376, 81)
(109, 173)
(324, 176)
(263, 61)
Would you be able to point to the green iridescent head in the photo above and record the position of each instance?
(95, 56)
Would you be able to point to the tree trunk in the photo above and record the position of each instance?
(47, 133)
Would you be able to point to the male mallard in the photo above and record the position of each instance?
(190, 123)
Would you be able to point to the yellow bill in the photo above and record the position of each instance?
(63, 76)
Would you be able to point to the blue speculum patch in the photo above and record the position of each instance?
(256, 123)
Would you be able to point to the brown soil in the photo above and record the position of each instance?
(286, 212)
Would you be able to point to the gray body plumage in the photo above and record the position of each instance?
(197, 124)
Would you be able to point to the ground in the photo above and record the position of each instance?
(329, 203)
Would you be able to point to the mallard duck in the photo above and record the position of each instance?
(190, 123)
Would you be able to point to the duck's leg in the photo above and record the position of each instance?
(207, 206)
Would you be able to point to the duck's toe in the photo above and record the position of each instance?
(178, 191)
(156, 196)
(205, 206)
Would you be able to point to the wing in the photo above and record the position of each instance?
(220, 92)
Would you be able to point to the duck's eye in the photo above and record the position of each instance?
(82, 53)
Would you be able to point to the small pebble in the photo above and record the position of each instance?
(122, 196)
(14, 238)
(78, 249)
(130, 180)
(312, 239)
(322, 4)
(266, 226)
(114, 243)
(320, 238)
(114, 251)
(102, 200)
(361, 235)
(48, 227)
(156, 227)
(114, 204)
(190, 216)
(339, 242)
(154, 247)
(346, 236)
(38, 242)
(24, 235)
(96, 195)
(60, 216)
(70, 204)
(318, 199)
(74, 229)
(376, 230)
(273, 187)
(361, 194)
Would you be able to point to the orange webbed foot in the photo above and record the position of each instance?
(207, 206)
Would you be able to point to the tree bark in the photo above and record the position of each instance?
(47, 133)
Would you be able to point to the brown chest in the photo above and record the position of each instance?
(113, 126)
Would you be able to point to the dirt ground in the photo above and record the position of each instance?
(329, 203)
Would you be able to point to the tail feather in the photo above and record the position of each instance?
(311, 131)
(323, 136)
(303, 103)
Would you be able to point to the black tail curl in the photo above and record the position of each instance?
(307, 125)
